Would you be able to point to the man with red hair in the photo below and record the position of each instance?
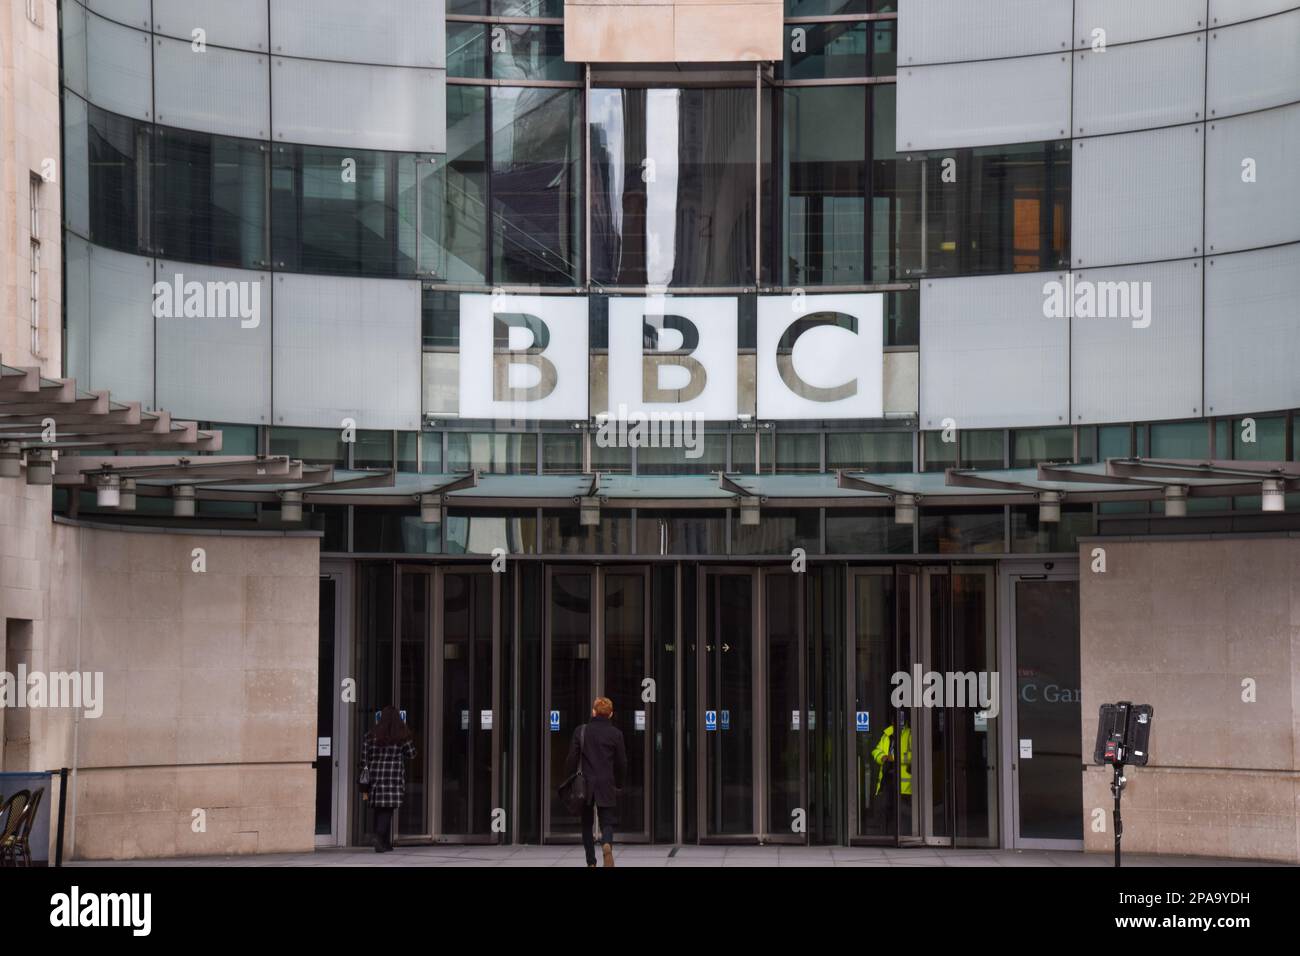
(599, 747)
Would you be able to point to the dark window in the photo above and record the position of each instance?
(209, 198)
(536, 186)
(870, 451)
(866, 531)
(115, 145)
(453, 193)
(343, 211)
(816, 51)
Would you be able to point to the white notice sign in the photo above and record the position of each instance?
(323, 746)
(1026, 748)
(485, 720)
(640, 720)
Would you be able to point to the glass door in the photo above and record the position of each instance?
(728, 721)
(567, 681)
(466, 665)
(414, 635)
(1045, 749)
(787, 717)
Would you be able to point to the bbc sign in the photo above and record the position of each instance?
(526, 356)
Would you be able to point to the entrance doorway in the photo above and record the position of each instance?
(925, 694)
(752, 706)
(332, 751)
(597, 644)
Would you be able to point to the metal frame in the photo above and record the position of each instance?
(703, 631)
(435, 674)
(340, 572)
(1011, 573)
(596, 685)
(763, 769)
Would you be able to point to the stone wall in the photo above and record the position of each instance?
(1190, 626)
(672, 31)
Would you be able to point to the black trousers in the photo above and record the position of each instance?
(384, 826)
(608, 820)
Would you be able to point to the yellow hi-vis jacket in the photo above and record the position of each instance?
(904, 762)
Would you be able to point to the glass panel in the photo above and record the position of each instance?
(982, 449)
(825, 182)
(884, 48)
(468, 8)
(467, 692)
(611, 459)
(531, 53)
(453, 194)
(1041, 445)
(439, 317)
(375, 645)
(118, 149)
(903, 318)
(408, 458)
(394, 531)
(816, 51)
(799, 452)
(743, 449)
(625, 667)
(536, 197)
(877, 780)
(319, 446)
(236, 439)
(492, 453)
(873, 531)
(728, 692)
(1048, 711)
(1113, 441)
(1269, 439)
(1180, 440)
(478, 532)
(325, 696)
(466, 50)
(870, 451)
(826, 8)
(939, 454)
(896, 190)
(779, 532)
(974, 732)
(681, 532)
(955, 531)
(1007, 211)
(786, 716)
(1028, 534)
(550, 9)
(373, 449)
(934, 646)
(562, 454)
(209, 198)
(563, 534)
(412, 817)
(711, 451)
(673, 186)
(431, 453)
(570, 691)
(343, 211)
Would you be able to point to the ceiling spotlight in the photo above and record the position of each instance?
(1273, 496)
(291, 506)
(904, 509)
(108, 491)
(183, 501)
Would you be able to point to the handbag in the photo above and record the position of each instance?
(574, 792)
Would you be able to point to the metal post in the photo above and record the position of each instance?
(63, 804)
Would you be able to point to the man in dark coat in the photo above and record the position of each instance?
(604, 764)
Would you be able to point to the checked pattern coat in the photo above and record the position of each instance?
(387, 767)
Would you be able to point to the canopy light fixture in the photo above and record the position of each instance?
(1049, 507)
(1175, 501)
(430, 509)
(749, 510)
(291, 506)
(183, 501)
(1273, 496)
(108, 491)
(588, 511)
(904, 509)
(40, 467)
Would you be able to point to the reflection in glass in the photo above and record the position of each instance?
(779, 532)
(115, 144)
(818, 51)
(343, 211)
(453, 193)
(412, 818)
(569, 695)
(531, 53)
(877, 778)
(866, 531)
(536, 197)
(956, 531)
(625, 668)
(466, 49)
(681, 532)
(478, 532)
(501, 453)
(870, 451)
(467, 693)
(728, 691)
(673, 186)
(786, 715)
(209, 198)
(562, 533)
(825, 182)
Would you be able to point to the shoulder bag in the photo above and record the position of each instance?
(574, 792)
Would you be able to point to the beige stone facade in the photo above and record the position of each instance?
(672, 31)
(1191, 627)
(30, 155)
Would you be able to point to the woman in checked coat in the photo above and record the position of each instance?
(384, 752)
